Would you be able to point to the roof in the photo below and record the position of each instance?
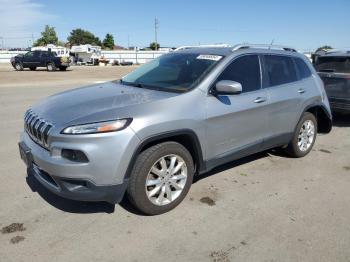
(224, 51)
(338, 53)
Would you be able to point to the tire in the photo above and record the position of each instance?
(33, 68)
(51, 67)
(140, 195)
(63, 68)
(18, 66)
(302, 143)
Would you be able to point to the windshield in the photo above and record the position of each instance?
(173, 72)
(336, 64)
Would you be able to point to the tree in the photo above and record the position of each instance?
(108, 42)
(324, 48)
(61, 43)
(154, 46)
(81, 37)
(48, 36)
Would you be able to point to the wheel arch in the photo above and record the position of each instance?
(186, 137)
(323, 117)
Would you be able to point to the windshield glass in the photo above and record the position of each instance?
(173, 72)
(336, 64)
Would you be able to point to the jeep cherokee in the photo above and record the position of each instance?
(180, 115)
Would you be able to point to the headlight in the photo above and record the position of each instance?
(100, 127)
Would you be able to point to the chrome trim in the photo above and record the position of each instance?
(37, 128)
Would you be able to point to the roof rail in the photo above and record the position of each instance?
(202, 46)
(263, 46)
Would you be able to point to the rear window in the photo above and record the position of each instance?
(304, 70)
(280, 70)
(336, 64)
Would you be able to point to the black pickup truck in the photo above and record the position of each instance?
(34, 59)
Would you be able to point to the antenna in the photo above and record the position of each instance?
(272, 41)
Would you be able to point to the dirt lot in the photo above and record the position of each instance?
(262, 208)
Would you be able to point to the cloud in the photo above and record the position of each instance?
(19, 19)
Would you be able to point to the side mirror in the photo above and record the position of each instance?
(227, 87)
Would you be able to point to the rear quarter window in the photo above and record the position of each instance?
(303, 70)
(280, 70)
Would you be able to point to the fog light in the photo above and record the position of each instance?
(74, 155)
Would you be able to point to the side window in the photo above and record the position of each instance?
(304, 71)
(280, 70)
(244, 70)
(29, 54)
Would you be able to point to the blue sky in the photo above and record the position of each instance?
(304, 24)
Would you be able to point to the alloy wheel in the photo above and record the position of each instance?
(166, 180)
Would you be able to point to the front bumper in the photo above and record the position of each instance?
(102, 178)
(81, 190)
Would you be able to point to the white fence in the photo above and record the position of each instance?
(137, 57)
(5, 56)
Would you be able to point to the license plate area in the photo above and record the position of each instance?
(25, 154)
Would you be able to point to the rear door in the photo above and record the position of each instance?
(237, 123)
(285, 94)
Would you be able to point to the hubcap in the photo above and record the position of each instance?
(49, 67)
(18, 66)
(166, 180)
(306, 135)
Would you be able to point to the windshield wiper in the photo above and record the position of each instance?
(135, 84)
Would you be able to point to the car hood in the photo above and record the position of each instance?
(100, 102)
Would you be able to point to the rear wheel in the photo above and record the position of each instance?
(63, 68)
(32, 68)
(51, 67)
(161, 178)
(304, 136)
(18, 66)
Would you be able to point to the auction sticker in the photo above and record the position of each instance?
(210, 57)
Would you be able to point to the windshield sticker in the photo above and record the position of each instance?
(210, 57)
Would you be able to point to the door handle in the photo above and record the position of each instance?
(259, 100)
(301, 91)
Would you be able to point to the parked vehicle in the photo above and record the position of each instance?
(334, 69)
(60, 51)
(38, 58)
(86, 54)
(180, 115)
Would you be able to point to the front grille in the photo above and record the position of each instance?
(37, 128)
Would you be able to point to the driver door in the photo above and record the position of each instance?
(237, 124)
(31, 59)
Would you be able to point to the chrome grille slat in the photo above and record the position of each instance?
(37, 128)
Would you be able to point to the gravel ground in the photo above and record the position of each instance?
(266, 207)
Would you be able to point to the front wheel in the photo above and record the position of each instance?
(51, 67)
(18, 66)
(304, 136)
(161, 178)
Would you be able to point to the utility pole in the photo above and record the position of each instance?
(2, 43)
(128, 42)
(155, 32)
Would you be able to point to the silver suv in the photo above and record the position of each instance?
(177, 116)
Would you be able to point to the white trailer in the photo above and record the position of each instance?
(61, 51)
(86, 54)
